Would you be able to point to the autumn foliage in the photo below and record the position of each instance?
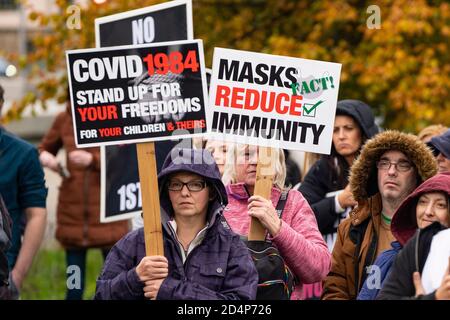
(401, 69)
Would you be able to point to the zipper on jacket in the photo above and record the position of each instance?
(201, 244)
(185, 265)
(188, 257)
(174, 237)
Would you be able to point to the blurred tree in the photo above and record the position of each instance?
(401, 69)
(46, 62)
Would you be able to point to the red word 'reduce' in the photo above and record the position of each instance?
(266, 101)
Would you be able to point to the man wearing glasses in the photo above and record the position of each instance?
(391, 165)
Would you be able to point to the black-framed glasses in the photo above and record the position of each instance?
(193, 186)
(401, 166)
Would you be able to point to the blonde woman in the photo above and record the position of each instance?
(431, 131)
(296, 234)
(218, 149)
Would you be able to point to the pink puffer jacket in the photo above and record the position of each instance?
(299, 240)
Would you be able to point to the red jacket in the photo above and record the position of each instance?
(78, 213)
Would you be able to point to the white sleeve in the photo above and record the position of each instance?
(337, 206)
(137, 222)
(437, 261)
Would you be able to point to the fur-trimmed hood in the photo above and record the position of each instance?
(363, 174)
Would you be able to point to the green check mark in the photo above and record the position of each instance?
(308, 111)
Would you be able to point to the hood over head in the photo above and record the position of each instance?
(441, 143)
(200, 162)
(404, 221)
(363, 173)
(361, 113)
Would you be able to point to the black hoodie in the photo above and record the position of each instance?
(330, 173)
(399, 283)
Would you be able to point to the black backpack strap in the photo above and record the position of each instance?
(280, 205)
(356, 234)
(370, 256)
(282, 202)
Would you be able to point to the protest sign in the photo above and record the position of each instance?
(121, 197)
(120, 187)
(273, 101)
(170, 21)
(137, 93)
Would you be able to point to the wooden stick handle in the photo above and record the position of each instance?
(263, 188)
(150, 198)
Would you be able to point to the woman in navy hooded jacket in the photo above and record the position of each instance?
(203, 259)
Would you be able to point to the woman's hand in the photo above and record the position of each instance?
(263, 210)
(346, 199)
(152, 267)
(48, 160)
(151, 288)
(417, 280)
(81, 158)
(443, 292)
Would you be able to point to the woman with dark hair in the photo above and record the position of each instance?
(326, 185)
